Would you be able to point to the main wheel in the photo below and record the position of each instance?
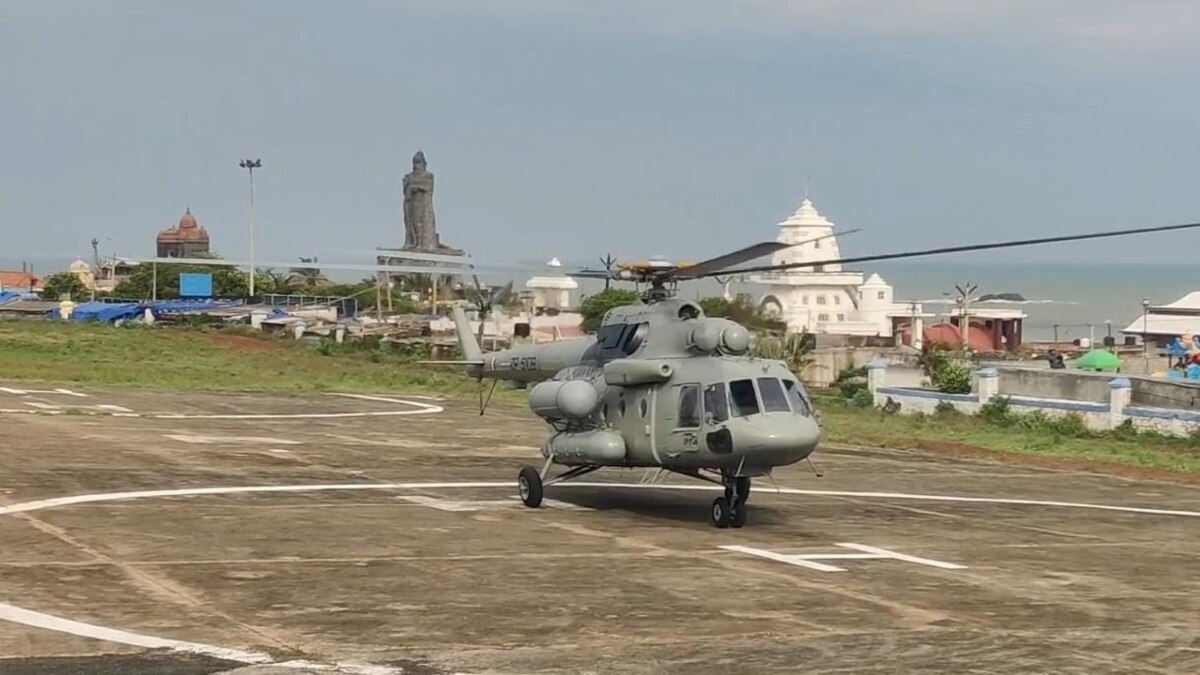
(720, 512)
(529, 485)
(738, 518)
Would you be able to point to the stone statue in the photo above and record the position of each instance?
(420, 224)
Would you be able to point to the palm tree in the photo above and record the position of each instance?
(307, 277)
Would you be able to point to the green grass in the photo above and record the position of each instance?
(213, 359)
(162, 357)
(845, 423)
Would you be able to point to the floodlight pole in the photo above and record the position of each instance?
(1145, 331)
(250, 165)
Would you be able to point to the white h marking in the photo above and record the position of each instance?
(25, 392)
(865, 553)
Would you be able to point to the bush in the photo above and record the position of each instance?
(850, 381)
(997, 411)
(954, 378)
(863, 399)
(1070, 425)
(946, 409)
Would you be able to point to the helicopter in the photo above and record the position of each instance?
(661, 386)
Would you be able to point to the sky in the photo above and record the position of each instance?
(682, 128)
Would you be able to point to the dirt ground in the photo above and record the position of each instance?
(160, 532)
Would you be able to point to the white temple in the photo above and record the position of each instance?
(552, 290)
(826, 298)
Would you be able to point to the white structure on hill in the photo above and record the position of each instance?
(825, 298)
(552, 290)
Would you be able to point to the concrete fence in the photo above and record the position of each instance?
(1096, 415)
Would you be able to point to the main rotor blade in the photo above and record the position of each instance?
(961, 249)
(721, 262)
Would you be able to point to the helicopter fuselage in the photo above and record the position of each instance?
(660, 385)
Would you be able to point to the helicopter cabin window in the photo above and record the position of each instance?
(795, 394)
(715, 402)
(743, 397)
(773, 398)
(689, 407)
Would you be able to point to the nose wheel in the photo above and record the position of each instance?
(730, 510)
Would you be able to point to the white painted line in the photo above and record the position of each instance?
(112, 408)
(208, 440)
(867, 553)
(800, 561)
(483, 504)
(26, 392)
(907, 496)
(884, 553)
(420, 409)
(54, 623)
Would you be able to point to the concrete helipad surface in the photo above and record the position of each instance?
(152, 532)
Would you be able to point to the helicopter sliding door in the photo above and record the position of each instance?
(683, 417)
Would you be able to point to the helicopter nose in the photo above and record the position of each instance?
(777, 441)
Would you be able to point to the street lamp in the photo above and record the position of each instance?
(1145, 328)
(250, 165)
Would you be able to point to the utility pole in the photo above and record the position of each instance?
(250, 165)
(95, 265)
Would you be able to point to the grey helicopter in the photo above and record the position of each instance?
(662, 386)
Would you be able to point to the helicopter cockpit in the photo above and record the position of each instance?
(747, 397)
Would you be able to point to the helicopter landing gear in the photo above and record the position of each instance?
(529, 485)
(730, 510)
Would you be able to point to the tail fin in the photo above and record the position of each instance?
(466, 339)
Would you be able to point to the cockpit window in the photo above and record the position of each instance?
(610, 336)
(745, 401)
(795, 394)
(773, 398)
(636, 337)
(715, 402)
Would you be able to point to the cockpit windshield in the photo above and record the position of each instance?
(795, 394)
(743, 397)
(773, 398)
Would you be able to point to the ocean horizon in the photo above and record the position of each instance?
(1079, 298)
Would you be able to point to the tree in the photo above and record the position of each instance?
(64, 284)
(793, 349)
(307, 278)
(743, 310)
(595, 306)
(163, 283)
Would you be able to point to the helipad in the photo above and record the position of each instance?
(213, 533)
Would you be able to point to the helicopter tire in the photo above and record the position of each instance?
(529, 486)
(738, 517)
(721, 514)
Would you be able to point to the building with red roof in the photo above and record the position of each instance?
(186, 240)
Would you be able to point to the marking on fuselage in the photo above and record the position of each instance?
(865, 552)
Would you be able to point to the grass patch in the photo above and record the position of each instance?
(1060, 438)
(165, 357)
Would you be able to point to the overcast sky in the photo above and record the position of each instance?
(557, 127)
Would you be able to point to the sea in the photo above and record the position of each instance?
(1065, 300)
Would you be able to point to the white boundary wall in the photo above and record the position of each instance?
(1097, 416)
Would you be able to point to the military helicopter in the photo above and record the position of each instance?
(662, 386)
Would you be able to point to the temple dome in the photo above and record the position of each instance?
(807, 216)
